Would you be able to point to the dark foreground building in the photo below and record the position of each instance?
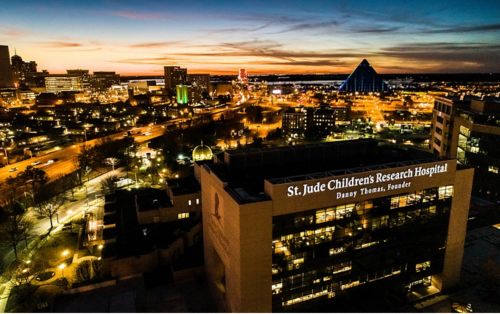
(364, 79)
(290, 228)
(469, 130)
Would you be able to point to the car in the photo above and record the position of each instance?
(13, 169)
(50, 161)
(458, 307)
(36, 163)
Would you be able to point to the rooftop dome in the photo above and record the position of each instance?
(202, 152)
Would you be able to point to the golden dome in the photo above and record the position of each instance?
(202, 152)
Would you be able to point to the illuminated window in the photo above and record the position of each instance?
(422, 266)
(493, 169)
(197, 201)
(189, 202)
(182, 215)
(445, 192)
(336, 250)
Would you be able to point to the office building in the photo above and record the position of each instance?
(22, 70)
(6, 80)
(84, 74)
(103, 80)
(182, 92)
(174, 75)
(57, 83)
(200, 86)
(294, 228)
(469, 130)
(243, 76)
(320, 120)
(201, 81)
(364, 79)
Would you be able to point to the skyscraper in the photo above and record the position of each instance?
(363, 79)
(298, 227)
(174, 75)
(5, 69)
(243, 76)
(22, 70)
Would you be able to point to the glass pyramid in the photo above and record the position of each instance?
(363, 79)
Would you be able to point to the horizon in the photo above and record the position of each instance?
(264, 37)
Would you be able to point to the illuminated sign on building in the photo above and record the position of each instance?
(383, 182)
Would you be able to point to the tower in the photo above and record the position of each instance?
(5, 69)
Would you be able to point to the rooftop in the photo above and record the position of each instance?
(245, 170)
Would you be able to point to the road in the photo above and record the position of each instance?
(65, 158)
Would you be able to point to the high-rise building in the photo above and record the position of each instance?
(201, 80)
(84, 74)
(307, 227)
(174, 75)
(322, 120)
(182, 92)
(22, 70)
(469, 130)
(102, 80)
(57, 83)
(364, 79)
(243, 76)
(200, 86)
(6, 80)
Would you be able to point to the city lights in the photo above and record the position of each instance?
(319, 156)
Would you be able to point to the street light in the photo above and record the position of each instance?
(65, 253)
(61, 267)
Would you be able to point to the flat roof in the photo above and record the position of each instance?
(245, 170)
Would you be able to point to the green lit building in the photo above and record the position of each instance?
(182, 94)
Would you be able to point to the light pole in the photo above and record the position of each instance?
(6, 154)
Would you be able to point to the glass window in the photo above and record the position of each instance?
(182, 215)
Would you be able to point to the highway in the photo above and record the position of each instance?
(65, 159)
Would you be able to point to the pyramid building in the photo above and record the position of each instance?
(363, 79)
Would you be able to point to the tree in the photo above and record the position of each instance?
(86, 160)
(17, 228)
(88, 270)
(13, 183)
(48, 208)
(112, 161)
(35, 177)
(108, 185)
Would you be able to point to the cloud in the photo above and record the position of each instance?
(60, 44)
(241, 29)
(136, 15)
(446, 56)
(304, 63)
(308, 26)
(14, 32)
(376, 29)
(156, 44)
(466, 29)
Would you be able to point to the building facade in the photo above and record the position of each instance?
(22, 70)
(287, 229)
(320, 120)
(174, 75)
(6, 80)
(103, 80)
(469, 130)
(364, 79)
(63, 82)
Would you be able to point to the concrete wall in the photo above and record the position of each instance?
(456, 230)
(237, 241)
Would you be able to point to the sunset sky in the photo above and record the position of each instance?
(140, 37)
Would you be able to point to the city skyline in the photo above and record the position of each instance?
(264, 37)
